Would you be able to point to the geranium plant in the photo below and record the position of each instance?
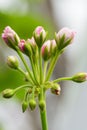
(43, 55)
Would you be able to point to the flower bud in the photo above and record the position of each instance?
(53, 47)
(64, 37)
(42, 105)
(10, 37)
(26, 77)
(46, 50)
(8, 93)
(24, 106)
(32, 104)
(12, 62)
(39, 35)
(79, 77)
(56, 89)
(25, 47)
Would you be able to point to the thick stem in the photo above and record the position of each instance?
(43, 114)
(44, 120)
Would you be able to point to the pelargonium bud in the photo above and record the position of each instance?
(32, 104)
(53, 47)
(42, 105)
(10, 37)
(79, 77)
(13, 62)
(25, 47)
(46, 50)
(39, 36)
(56, 89)
(8, 93)
(33, 46)
(24, 106)
(64, 37)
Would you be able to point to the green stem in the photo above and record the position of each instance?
(43, 115)
(51, 67)
(25, 64)
(62, 79)
(34, 71)
(23, 86)
(21, 71)
(45, 69)
(44, 120)
(40, 65)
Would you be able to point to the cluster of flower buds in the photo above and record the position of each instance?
(43, 55)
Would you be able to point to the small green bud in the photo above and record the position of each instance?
(32, 104)
(26, 77)
(12, 62)
(56, 89)
(8, 93)
(79, 77)
(42, 105)
(24, 106)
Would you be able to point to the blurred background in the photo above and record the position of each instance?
(69, 110)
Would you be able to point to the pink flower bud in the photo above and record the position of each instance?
(79, 77)
(21, 45)
(25, 47)
(64, 37)
(39, 35)
(31, 41)
(53, 46)
(46, 50)
(10, 37)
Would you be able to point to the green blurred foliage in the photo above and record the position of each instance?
(24, 26)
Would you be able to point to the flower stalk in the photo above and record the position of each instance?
(43, 56)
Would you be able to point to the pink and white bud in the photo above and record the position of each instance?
(79, 77)
(39, 35)
(53, 46)
(10, 37)
(21, 45)
(64, 37)
(32, 42)
(25, 47)
(45, 50)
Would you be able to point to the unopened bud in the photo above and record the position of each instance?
(39, 35)
(8, 93)
(79, 77)
(32, 104)
(24, 106)
(10, 37)
(25, 47)
(46, 50)
(42, 105)
(64, 37)
(12, 62)
(56, 89)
